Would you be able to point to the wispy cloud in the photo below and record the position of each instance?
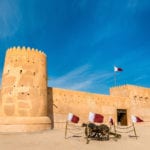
(132, 3)
(81, 78)
(139, 78)
(9, 18)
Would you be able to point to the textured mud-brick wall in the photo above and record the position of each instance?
(24, 87)
(139, 99)
(81, 103)
(122, 91)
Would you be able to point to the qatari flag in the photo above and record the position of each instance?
(73, 118)
(117, 69)
(136, 119)
(111, 122)
(93, 117)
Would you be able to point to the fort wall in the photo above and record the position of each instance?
(81, 103)
(134, 99)
(139, 98)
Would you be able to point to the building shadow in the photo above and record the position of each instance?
(50, 105)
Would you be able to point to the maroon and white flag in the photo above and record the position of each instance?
(111, 122)
(117, 69)
(136, 119)
(93, 117)
(73, 118)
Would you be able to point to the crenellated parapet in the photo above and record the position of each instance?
(31, 55)
(24, 50)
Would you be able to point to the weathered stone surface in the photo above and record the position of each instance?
(9, 109)
(136, 100)
(24, 90)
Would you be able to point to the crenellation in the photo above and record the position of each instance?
(31, 55)
(25, 51)
(18, 47)
(14, 48)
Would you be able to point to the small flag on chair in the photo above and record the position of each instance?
(111, 122)
(73, 118)
(93, 117)
(136, 119)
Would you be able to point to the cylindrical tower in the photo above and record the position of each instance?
(24, 91)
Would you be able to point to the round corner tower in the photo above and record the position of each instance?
(24, 91)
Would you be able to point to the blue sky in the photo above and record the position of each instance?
(83, 39)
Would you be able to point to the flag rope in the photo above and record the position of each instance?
(126, 130)
(73, 129)
(124, 127)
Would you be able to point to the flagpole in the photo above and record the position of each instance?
(116, 69)
(115, 80)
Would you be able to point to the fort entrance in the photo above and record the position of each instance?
(122, 117)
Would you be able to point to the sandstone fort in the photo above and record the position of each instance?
(27, 104)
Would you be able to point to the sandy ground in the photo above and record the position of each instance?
(54, 140)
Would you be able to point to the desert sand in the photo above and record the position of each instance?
(54, 140)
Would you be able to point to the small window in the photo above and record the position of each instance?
(20, 71)
(34, 73)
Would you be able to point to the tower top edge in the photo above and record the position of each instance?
(25, 49)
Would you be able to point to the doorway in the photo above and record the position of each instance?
(122, 117)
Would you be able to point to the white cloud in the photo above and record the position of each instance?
(9, 18)
(81, 78)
